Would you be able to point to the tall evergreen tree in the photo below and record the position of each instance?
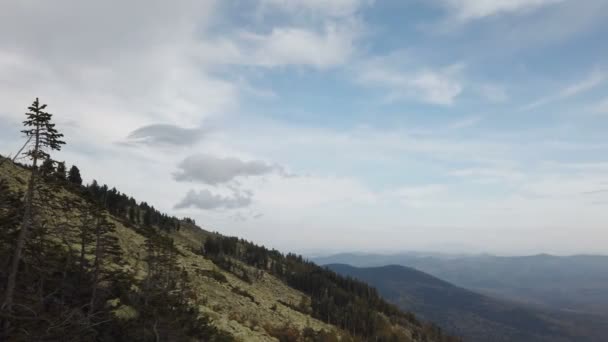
(136, 216)
(147, 217)
(47, 168)
(132, 214)
(41, 130)
(106, 249)
(60, 172)
(74, 175)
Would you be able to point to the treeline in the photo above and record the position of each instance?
(341, 301)
(62, 272)
(115, 202)
(123, 206)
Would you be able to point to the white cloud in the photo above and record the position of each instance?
(465, 10)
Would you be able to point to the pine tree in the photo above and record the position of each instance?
(86, 238)
(60, 172)
(132, 214)
(136, 216)
(147, 217)
(47, 168)
(45, 137)
(10, 217)
(106, 250)
(74, 176)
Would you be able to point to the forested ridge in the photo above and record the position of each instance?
(343, 301)
(66, 274)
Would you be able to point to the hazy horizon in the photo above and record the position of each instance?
(313, 254)
(353, 125)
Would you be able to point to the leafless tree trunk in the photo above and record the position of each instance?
(7, 304)
(98, 252)
(83, 242)
(21, 149)
(156, 336)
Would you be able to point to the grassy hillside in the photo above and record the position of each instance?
(245, 292)
(474, 316)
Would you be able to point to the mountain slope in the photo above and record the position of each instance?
(246, 291)
(474, 316)
(576, 283)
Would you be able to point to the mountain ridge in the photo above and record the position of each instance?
(474, 316)
(567, 283)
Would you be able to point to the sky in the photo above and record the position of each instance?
(326, 126)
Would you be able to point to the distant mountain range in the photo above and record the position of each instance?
(573, 283)
(474, 316)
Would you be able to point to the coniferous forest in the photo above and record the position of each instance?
(66, 275)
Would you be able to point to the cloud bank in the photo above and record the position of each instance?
(206, 200)
(212, 170)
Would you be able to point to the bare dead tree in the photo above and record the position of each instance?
(41, 130)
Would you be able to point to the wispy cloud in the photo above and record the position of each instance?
(596, 192)
(493, 92)
(316, 34)
(418, 196)
(595, 79)
(465, 123)
(334, 8)
(600, 107)
(331, 46)
(165, 134)
(439, 86)
(489, 174)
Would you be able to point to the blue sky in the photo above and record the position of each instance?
(311, 125)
